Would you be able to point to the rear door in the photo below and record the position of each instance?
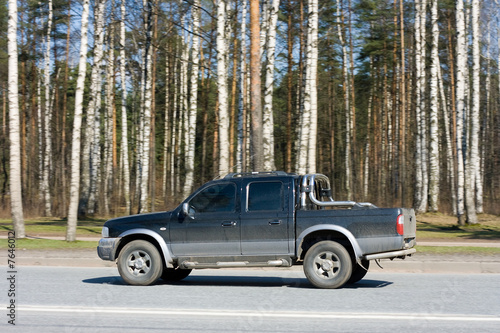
(265, 219)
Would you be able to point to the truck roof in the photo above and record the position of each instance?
(259, 174)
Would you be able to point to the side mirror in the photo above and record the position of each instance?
(188, 211)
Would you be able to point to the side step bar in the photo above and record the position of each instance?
(227, 264)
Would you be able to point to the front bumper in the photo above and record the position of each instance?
(107, 248)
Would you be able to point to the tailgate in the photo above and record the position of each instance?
(410, 226)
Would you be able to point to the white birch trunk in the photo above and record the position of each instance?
(193, 103)
(472, 165)
(124, 125)
(424, 119)
(460, 107)
(222, 88)
(77, 123)
(421, 147)
(40, 137)
(140, 131)
(302, 163)
(449, 146)
(89, 151)
(434, 111)
(313, 14)
(110, 104)
(16, 200)
(47, 120)
(486, 126)
(267, 114)
(144, 193)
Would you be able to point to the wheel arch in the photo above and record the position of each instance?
(318, 233)
(146, 235)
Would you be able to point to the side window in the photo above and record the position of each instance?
(216, 198)
(265, 196)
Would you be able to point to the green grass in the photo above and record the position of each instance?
(435, 226)
(55, 227)
(460, 250)
(46, 244)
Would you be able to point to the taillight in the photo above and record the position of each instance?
(400, 224)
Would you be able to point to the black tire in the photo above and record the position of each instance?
(327, 264)
(139, 263)
(173, 275)
(359, 272)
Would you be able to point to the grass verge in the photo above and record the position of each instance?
(437, 226)
(50, 226)
(459, 250)
(48, 244)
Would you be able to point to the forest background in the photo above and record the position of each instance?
(397, 101)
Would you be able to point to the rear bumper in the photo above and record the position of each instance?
(390, 255)
(107, 248)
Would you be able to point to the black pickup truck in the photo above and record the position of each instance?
(255, 220)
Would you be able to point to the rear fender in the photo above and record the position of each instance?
(358, 253)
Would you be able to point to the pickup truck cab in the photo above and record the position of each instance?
(259, 220)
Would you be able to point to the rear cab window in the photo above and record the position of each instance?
(265, 196)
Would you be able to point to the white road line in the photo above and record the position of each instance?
(244, 313)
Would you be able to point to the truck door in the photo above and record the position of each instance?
(265, 219)
(213, 225)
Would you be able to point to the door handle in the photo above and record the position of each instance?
(275, 222)
(229, 224)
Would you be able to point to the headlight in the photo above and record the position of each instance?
(105, 232)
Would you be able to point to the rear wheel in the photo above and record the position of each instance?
(172, 274)
(359, 272)
(139, 263)
(327, 264)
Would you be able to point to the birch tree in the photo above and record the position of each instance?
(16, 200)
(306, 161)
(313, 27)
(268, 121)
(460, 107)
(222, 49)
(193, 103)
(91, 147)
(109, 128)
(47, 152)
(124, 125)
(433, 119)
(421, 186)
(146, 109)
(77, 123)
(472, 165)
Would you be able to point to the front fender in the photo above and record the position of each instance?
(329, 227)
(161, 242)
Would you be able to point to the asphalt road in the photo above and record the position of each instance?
(70, 299)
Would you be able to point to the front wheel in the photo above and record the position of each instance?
(139, 263)
(327, 264)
